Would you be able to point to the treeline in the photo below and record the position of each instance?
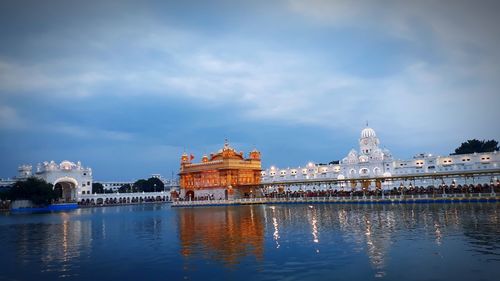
(478, 146)
(142, 185)
(37, 190)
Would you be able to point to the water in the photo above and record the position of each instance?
(282, 242)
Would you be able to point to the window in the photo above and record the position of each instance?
(88, 183)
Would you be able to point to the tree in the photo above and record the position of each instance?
(34, 189)
(475, 145)
(140, 185)
(97, 188)
(125, 188)
(150, 185)
(155, 184)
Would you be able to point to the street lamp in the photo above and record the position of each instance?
(491, 186)
(401, 186)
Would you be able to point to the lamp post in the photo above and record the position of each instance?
(401, 186)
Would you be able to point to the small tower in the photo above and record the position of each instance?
(184, 158)
(254, 155)
(24, 171)
(204, 159)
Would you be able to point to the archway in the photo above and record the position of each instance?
(190, 195)
(66, 189)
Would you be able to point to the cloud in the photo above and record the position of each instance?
(297, 71)
(9, 118)
(88, 132)
(458, 27)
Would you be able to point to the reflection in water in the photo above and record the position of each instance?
(58, 244)
(224, 234)
(228, 233)
(293, 242)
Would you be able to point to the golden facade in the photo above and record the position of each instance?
(226, 173)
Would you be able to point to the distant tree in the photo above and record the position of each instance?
(125, 188)
(97, 188)
(34, 189)
(108, 190)
(149, 185)
(155, 184)
(140, 185)
(475, 145)
(334, 162)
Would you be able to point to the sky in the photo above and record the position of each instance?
(126, 87)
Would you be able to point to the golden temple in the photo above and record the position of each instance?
(224, 175)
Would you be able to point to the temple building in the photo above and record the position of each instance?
(70, 180)
(226, 174)
(373, 161)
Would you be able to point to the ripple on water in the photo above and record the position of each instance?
(286, 242)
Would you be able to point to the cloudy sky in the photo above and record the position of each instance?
(127, 86)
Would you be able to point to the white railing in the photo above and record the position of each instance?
(353, 199)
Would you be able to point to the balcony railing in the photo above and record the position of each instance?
(348, 199)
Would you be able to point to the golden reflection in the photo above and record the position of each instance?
(276, 233)
(225, 234)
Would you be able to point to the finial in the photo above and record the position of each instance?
(366, 123)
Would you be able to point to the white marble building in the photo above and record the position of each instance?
(73, 180)
(372, 161)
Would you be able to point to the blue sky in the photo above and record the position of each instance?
(127, 86)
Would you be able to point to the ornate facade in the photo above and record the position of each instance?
(71, 180)
(372, 161)
(225, 174)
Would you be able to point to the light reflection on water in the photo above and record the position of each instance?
(291, 242)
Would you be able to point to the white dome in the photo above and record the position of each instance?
(368, 133)
(66, 165)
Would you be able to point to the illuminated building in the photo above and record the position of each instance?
(70, 180)
(373, 161)
(224, 175)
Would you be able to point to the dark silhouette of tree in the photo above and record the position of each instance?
(149, 185)
(34, 189)
(140, 185)
(155, 184)
(475, 145)
(125, 188)
(97, 188)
